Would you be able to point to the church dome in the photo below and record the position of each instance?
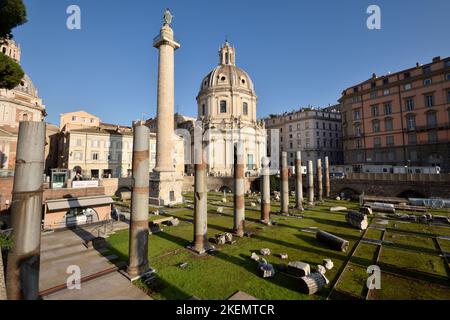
(227, 75)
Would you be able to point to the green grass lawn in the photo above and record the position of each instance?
(231, 269)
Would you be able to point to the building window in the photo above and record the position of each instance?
(429, 100)
(389, 140)
(411, 122)
(94, 156)
(357, 114)
(74, 118)
(377, 142)
(290, 128)
(373, 95)
(386, 92)
(427, 82)
(408, 86)
(376, 126)
(385, 82)
(374, 110)
(432, 137)
(388, 125)
(373, 85)
(203, 109)
(412, 138)
(387, 108)
(426, 69)
(358, 144)
(447, 76)
(317, 125)
(245, 108)
(407, 75)
(431, 120)
(358, 130)
(223, 106)
(448, 96)
(447, 63)
(409, 104)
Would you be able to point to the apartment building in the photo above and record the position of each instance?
(401, 118)
(106, 151)
(315, 132)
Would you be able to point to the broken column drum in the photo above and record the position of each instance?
(319, 180)
(265, 190)
(284, 206)
(200, 204)
(23, 264)
(298, 181)
(310, 183)
(138, 257)
(357, 219)
(239, 186)
(332, 241)
(327, 178)
(312, 283)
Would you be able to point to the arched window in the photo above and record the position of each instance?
(25, 117)
(223, 106)
(245, 108)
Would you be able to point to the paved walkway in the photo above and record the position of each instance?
(62, 249)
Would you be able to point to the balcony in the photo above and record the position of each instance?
(439, 126)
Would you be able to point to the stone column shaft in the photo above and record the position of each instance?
(165, 104)
(239, 190)
(284, 184)
(200, 204)
(319, 180)
(265, 191)
(310, 173)
(138, 245)
(26, 213)
(327, 178)
(298, 181)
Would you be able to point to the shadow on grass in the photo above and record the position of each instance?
(280, 279)
(302, 248)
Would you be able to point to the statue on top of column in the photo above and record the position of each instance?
(168, 17)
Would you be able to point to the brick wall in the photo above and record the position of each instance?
(6, 185)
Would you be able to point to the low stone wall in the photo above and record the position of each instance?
(393, 188)
(53, 194)
(110, 185)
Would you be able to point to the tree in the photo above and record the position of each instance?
(12, 14)
(10, 72)
(5, 243)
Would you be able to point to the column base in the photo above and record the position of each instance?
(134, 275)
(267, 223)
(202, 252)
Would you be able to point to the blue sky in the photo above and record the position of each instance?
(297, 52)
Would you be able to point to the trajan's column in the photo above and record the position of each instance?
(165, 182)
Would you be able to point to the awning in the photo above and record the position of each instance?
(64, 204)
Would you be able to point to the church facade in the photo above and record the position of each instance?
(227, 104)
(19, 104)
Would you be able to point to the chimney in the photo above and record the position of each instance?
(437, 59)
(374, 75)
(417, 65)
